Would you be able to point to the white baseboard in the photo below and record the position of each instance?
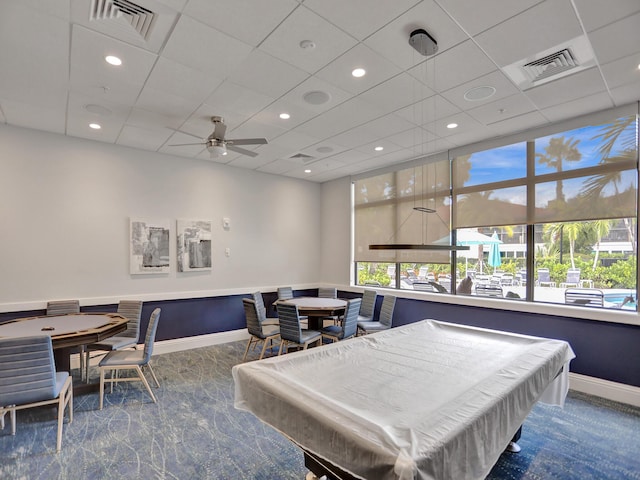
(618, 392)
(188, 343)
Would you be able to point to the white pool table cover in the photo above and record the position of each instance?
(429, 400)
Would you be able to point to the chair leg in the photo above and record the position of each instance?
(155, 379)
(101, 386)
(146, 384)
(264, 348)
(246, 350)
(283, 346)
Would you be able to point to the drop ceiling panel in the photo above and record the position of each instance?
(428, 110)
(502, 109)
(377, 67)
(504, 88)
(203, 48)
(392, 41)
(233, 98)
(577, 107)
(535, 30)
(622, 71)
(593, 16)
(330, 42)
(581, 84)
(396, 93)
(296, 96)
(360, 18)
(626, 94)
(266, 74)
(617, 40)
(475, 17)
(514, 124)
(456, 66)
(166, 104)
(246, 20)
(176, 79)
(143, 138)
(295, 140)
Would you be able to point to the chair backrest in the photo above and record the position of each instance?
(328, 292)
(285, 293)
(587, 297)
(132, 311)
(261, 309)
(150, 337)
(543, 275)
(289, 321)
(368, 303)
(423, 286)
(62, 307)
(252, 317)
(573, 275)
(27, 370)
(386, 311)
(489, 290)
(350, 320)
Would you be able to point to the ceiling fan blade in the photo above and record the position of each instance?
(243, 151)
(185, 144)
(247, 141)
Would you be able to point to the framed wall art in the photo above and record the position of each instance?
(149, 246)
(194, 245)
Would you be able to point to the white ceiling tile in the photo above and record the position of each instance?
(295, 140)
(387, 147)
(504, 88)
(143, 138)
(315, 84)
(392, 41)
(412, 139)
(515, 124)
(330, 42)
(267, 75)
(465, 124)
(396, 93)
(577, 107)
(246, 20)
(502, 109)
(616, 40)
(593, 16)
(360, 17)
(377, 67)
(280, 166)
(143, 118)
(622, 71)
(428, 110)
(203, 48)
(456, 66)
(165, 103)
(177, 79)
(629, 93)
(231, 98)
(554, 21)
(476, 17)
(581, 84)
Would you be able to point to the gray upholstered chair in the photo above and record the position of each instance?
(131, 360)
(131, 310)
(28, 379)
(262, 310)
(285, 293)
(259, 332)
(349, 325)
(328, 292)
(66, 307)
(291, 331)
(367, 306)
(63, 307)
(385, 319)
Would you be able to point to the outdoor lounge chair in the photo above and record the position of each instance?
(544, 278)
(585, 297)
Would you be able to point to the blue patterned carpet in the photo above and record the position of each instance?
(193, 432)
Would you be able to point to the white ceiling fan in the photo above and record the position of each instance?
(218, 145)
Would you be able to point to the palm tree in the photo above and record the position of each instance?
(559, 150)
(601, 228)
(570, 230)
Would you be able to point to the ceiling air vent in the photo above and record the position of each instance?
(550, 65)
(302, 157)
(137, 17)
(554, 63)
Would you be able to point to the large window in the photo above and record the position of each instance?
(552, 218)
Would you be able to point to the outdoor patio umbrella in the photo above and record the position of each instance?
(471, 236)
(494, 252)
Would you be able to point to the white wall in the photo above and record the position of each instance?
(65, 205)
(336, 232)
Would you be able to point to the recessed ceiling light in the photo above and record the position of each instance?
(479, 93)
(379, 149)
(285, 116)
(95, 126)
(358, 72)
(452, 125)
(113, 60)
(98, 110)
(307, 171)
(307, 45)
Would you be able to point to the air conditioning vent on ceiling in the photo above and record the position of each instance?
(303, 157)
(550, 65)
(137, 17)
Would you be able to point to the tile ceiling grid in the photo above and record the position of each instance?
(242, 59)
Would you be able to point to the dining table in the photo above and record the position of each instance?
(316, 309)
(67, 331)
